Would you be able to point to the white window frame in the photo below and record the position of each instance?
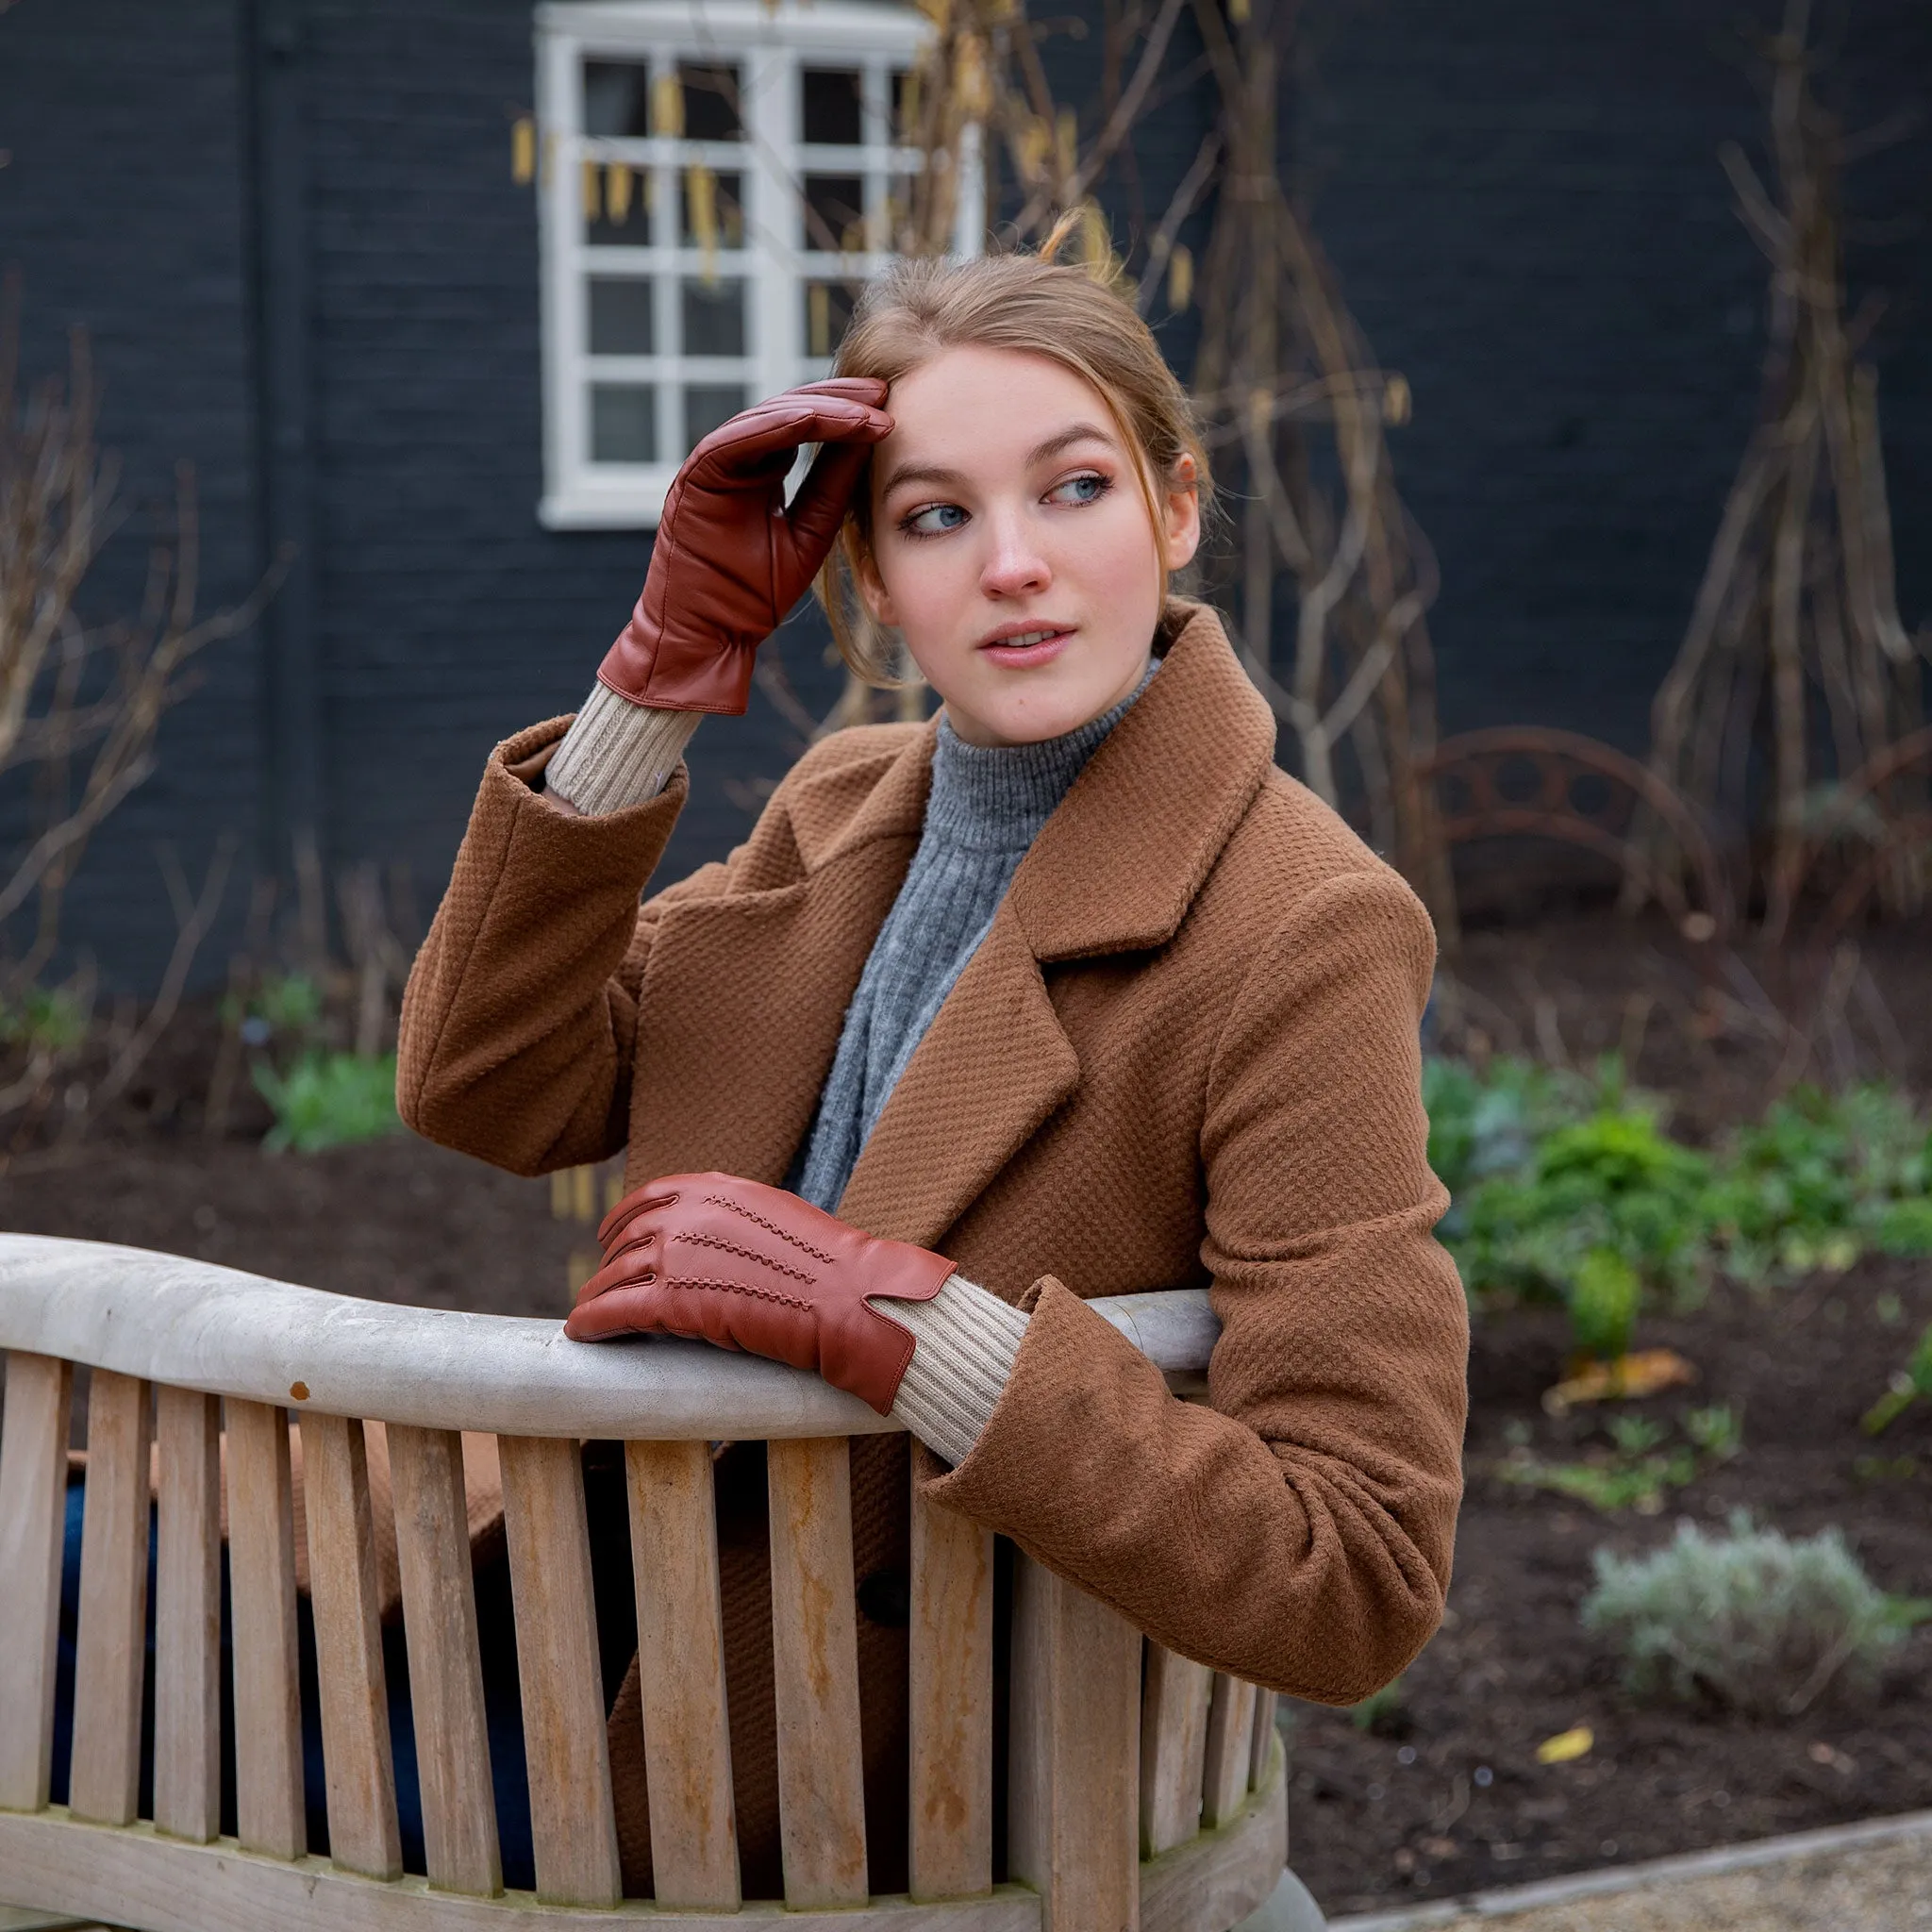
(771, 45)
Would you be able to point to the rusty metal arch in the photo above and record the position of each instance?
(1558, 758)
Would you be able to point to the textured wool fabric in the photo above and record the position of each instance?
(985, 807)
(1186, 1055)
(617, 754)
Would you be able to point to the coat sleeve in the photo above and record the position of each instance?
(1296, 1530)
(519, 1017)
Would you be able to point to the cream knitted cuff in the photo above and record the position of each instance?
(965, 1340)
(617, 754)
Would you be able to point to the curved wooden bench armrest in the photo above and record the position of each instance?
(197, 1326)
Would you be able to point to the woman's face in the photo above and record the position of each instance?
(1012, 547)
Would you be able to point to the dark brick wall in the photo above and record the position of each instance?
(1525, 204)
(120, 207)
(1527, 209)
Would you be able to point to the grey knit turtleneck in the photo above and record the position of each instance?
(985, 807)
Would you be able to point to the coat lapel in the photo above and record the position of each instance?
(1114, 870)
(746, 991)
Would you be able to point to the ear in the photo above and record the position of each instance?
(871, 586)
(1181, 513)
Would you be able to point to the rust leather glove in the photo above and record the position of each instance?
(732, 1262)
(731, 558)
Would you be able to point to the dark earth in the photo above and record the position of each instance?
(1445, 1794)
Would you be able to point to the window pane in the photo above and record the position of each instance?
(623, 422)
(711, 210)
(714, 319)
(831, 105)
(833, 213)
(827, 315)
(710, 100)
(706, 404)
(623, 206)
(622, 320)
(617, 98)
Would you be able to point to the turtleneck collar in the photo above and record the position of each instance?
(996, 797)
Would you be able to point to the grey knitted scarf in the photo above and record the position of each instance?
(985, 810)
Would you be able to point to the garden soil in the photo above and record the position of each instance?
(1446, 1794)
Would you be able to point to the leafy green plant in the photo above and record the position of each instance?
(1819, 1180)
(329, 1100)
(1383, 1713)
(1749, 1620)
(1491, 1120)
(1639, 1469)
(1905, 1387)
(43, 1019)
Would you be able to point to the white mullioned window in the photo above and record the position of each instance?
(716, 184)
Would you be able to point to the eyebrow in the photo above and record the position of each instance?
(1040, 453)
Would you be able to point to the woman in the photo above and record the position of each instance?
(1066, 993)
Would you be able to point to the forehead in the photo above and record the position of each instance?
(975, 410)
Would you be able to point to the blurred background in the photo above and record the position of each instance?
(1568, 375)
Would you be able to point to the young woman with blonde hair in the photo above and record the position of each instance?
(1066, 992)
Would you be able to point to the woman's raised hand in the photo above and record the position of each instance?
(734, 1262)
(731, 557)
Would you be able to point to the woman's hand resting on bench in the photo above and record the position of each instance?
(746, 1266)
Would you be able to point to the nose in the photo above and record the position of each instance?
(1015, 564)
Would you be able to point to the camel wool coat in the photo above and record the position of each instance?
(1186, 1055)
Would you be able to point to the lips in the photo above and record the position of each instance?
(1023, 647)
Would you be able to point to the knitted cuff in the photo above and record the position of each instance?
(965, 1341)
(617, 754)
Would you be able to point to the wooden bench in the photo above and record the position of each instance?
(1143, 1790)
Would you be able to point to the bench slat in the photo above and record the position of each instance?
(1265, 1703)
(358, 1771)
(446, 1663)
(674, 1529)
(951, 1697)
(110, 1644)
(1230, 1750)
(1173, 1741)
(1073, 1789)
(573, 1823)
(33, 1491)
(187, 1616)
(261, 1610)
(815, 1653)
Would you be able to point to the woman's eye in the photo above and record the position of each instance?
(934, 520)
(1087, 488)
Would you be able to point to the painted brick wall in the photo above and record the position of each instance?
(120, 207)
(1527, 209)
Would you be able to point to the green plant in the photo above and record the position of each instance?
(1748, 1619)
(1491, 1120)
(1638, 1471)
(328, 1100)
(1605, 1211)
(1821, 1178)
(1382, 1713)
(1905, 1387)
(44, 1019)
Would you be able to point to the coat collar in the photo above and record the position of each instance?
(1118, 864)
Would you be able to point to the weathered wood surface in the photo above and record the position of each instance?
(445, 1664)
(1073, 1792)
(1266, 1703)
(1230, 1749)
(573, 1824)
(187, 1616)
(815, 1654)
(360, 1771)
(261, 1610)
(33, 1495)
(1216, 1880)
(951, 1698)
(1173, 1741)
(110, 1643)
(674, 1529)
(201, 1326)
(135, 1878)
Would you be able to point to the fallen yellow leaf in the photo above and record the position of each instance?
(1566, 1745)
(1647, 1371)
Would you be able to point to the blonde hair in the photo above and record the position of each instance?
(1029, 303)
